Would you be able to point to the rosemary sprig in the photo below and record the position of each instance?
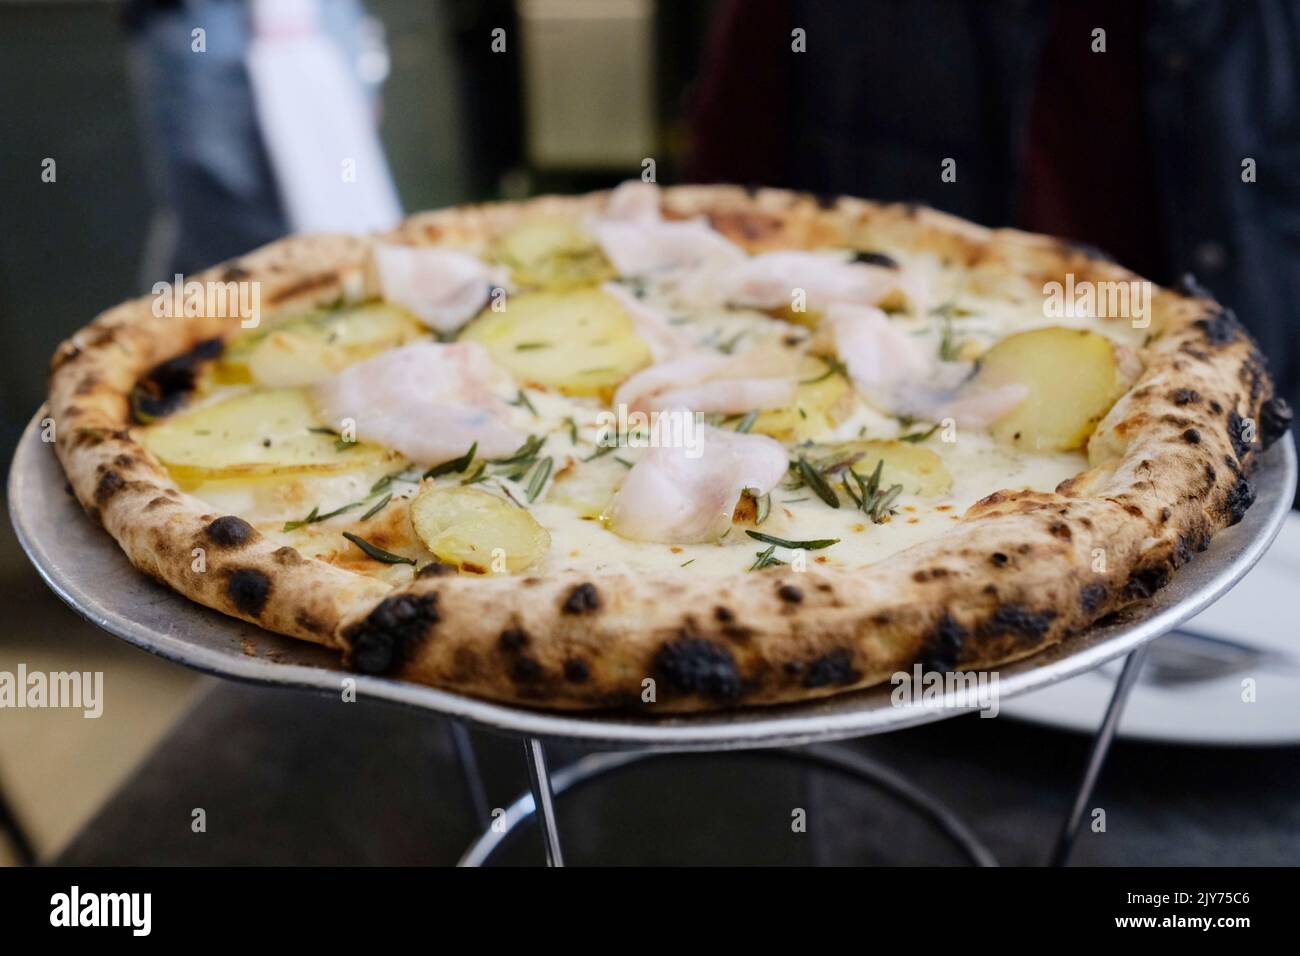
(917, 437)
(573, 428)
(765, 559)
(379, 506)
(522, 402)
(871, 499)
(376, 552)
(600, 452)
(814, 545)
(455, 465)
(816, 481)
(538, 481)
(747, 422)
(531, 346)
(317, 516)
(525, 452)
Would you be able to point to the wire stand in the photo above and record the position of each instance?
(545, 786)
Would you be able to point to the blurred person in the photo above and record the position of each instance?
(206, 158)
(1134, 140)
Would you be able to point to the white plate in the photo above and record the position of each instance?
(1263, 610)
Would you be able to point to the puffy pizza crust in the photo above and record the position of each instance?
(1170, 466)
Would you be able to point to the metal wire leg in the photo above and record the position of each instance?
(539, 779)
(1097, 756)
(469, 773)
(597, 765)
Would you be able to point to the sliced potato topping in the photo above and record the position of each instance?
(580, 343)
(477, 531)
(306, 349)
(588, 486)
(919, 470)
(1074, 376)
(552, 254)
(251, 434)
(823, 398)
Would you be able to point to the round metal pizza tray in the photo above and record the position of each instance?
(85, 567)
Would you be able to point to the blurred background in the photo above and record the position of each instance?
(1171, 139)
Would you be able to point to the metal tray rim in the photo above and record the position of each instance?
(33, 502)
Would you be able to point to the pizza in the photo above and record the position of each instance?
(666, 449)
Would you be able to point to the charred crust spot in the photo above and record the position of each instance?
(435, 569)
(789, 593)
(872, 258)
(1165, 514)
(109, 484)
(942, 647)
(1185, 396)
(1239, 500)
(1019, 621)
(832, 668)
(249, 589)
(1274, 420)
(576, 670)
(526, 670)
(1144, 582)
(230, 531)
(724, 614)
(929, 574)
(389, 635)
(999, 560)
(158, 502)
(694, 665)
(1220, 329)
(1182, 551)
(513, 640)
(308, 623)
(1237, 435)
(1192, 436)
(583, 599)
(1059, 529)
(1092, 597)
(166, 386)
(89, 382)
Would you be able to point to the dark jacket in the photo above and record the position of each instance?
(888, 88)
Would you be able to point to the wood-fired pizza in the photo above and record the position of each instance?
(667, 449)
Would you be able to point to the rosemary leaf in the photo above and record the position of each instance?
(379, 506)
(455, 465)
(538, 481)
(815, 481)
(379, 554)
(814, 545)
